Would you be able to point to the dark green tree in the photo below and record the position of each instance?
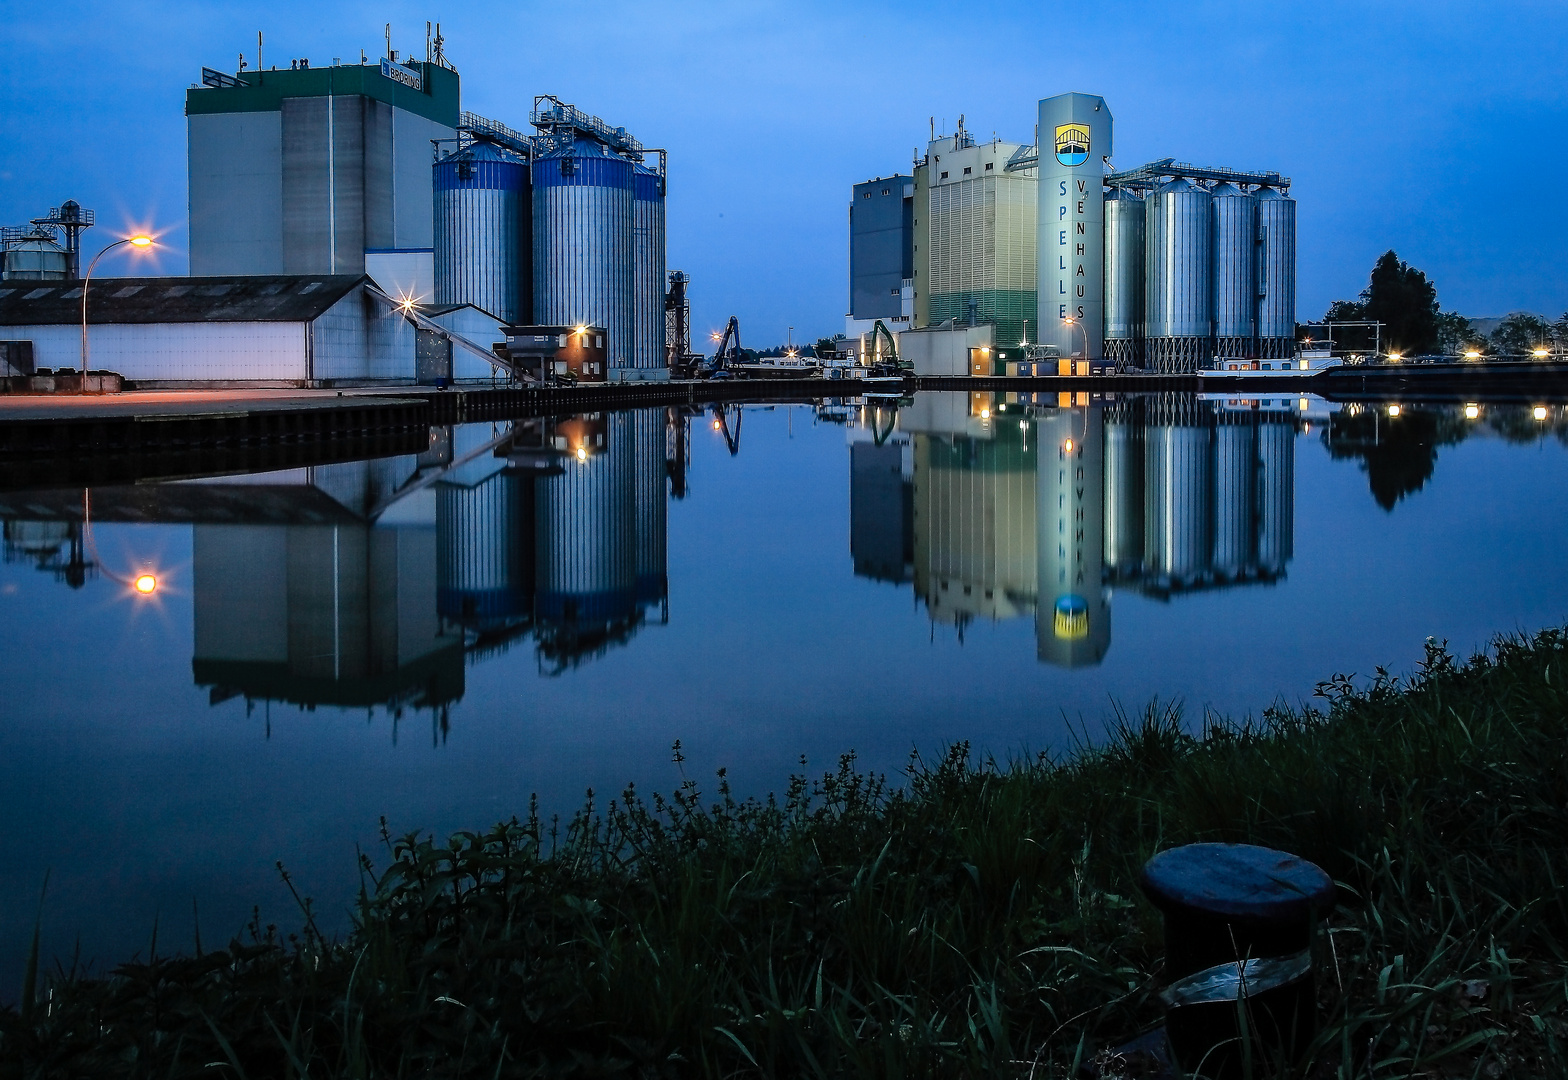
(1520, 334)
(1401, 297)
(1455, 335)
(824, 346)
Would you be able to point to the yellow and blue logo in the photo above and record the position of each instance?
(1071, 619)
(1072, 144)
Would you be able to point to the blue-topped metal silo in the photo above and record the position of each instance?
(583, 196)
(485, 548)
(1178, 282)
(1235, 245)
(648, 258)
(586, 535)
(1124, 270)
(482, 217)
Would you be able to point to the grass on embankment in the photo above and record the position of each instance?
(975, 920)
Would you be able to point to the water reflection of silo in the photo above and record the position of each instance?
(1123, 424)
(882, 509)
(485, 537)
(1235, 495)
(1178, 491)
(1277, 492)
(1072, 617)
(586, 533)
(652, 554)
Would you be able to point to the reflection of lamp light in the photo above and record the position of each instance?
(1540, 412)
(582, 454)
(145, 584)
(1472, 411)
(1068, 446)
(985, 414)
(1393, 410)
(1540, 352)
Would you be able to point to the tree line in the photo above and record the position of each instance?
(1404, 300)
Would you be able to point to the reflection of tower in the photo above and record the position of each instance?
(648, 443)
(1124, 489)
(882, 509)
(485, 564)
(587, 540)
(974, 523)
(1072, 617)
(335, 614)
(55, 546)
(1235, 496)
(1178, 505)
(1277, 492)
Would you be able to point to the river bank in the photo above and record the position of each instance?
(974, 919)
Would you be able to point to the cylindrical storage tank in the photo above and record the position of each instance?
(1124, 489)
(1235, 495)
(481, 223)
(1276, 274)
(484, 548)
(586, 536)
(1178, 484)
(648, 260)
(1124, 269)
(1276, 492)
(39, 259)
(651, 513)
(1235, 272)
(583, 211)
(1178, 279)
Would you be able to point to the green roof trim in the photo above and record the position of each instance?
(264, 91)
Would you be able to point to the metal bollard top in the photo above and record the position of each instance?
(1240, 881)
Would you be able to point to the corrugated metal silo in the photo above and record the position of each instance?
(583, 239)
(648, 257)
(482, 216)
(1124, 270)
(1235, 272)
(1277, 274)
(1178, 485)
(1178, 281)
(1124, 489)
(1276, 492)
(586, 535)
(484, 548)
(652, 509)
(1235, 495)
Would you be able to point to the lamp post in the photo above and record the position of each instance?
(1070, 321)
(138, 241)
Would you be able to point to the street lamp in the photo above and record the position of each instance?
(137, 241)
(1070, 321)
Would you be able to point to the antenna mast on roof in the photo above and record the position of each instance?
(390, 54)
(258, 50)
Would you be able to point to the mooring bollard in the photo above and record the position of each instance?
(1239, 922)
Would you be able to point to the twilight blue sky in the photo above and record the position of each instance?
(1434, 128)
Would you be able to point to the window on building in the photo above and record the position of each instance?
(944, 176)
(866, 195)
(988, 165)
(967, 170)
(884, 191)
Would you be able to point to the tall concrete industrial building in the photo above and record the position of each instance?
(1075, 144)
(975, 237)
(881, 251)
(308, 171)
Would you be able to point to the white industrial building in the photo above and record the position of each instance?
(207, 331)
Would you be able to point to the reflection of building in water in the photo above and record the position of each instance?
(375, 583)
(1073, 613)
(882, 508)
(974, 509)
(1020, 508)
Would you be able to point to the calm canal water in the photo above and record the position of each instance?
(547, 607)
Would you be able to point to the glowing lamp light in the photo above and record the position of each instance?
(1472, 355)
(715, 425)
(1472, 411)
(146, 584)
(985, 414)
(1396, 357)
(582, 454)
(1540, 352)
(141, 242)
(1068, 446)
(1303, 404)
(1540, 412)
(1393, 410)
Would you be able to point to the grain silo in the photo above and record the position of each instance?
(1235, 245)
(1277, 274)
(1178, 281)
(1124, 270)
(484, 548)
(1178, 485)
(1235, 495)
(648, 254)
(482, 216)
